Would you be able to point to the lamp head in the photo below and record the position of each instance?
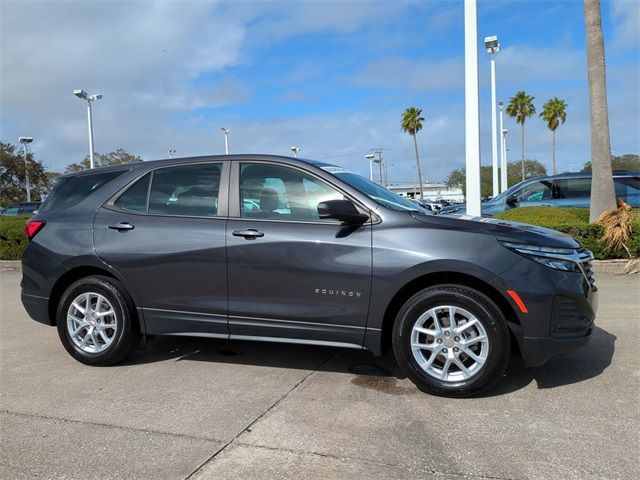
(95, 97)
(491, 44)
(24, 140)
(80, 94)
(371, 156)
(295, 149)
(225, 129)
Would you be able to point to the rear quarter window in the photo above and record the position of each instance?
(70, 191)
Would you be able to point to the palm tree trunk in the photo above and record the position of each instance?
(415, 145)
(602, 192)
(554, 152)
(522, 144)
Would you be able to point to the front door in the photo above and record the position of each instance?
(166, 236)
(292, 276)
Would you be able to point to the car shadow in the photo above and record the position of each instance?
(381, 373)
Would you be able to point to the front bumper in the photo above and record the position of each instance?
(561, 309)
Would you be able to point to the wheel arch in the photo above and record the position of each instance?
(440, 278)
(76, 273)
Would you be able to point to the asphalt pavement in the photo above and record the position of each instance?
(205, 409)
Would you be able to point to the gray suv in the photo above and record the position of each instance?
(277, 249)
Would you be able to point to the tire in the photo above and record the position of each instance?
(109, 335)
(474, 364)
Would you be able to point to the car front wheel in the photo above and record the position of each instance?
(97, 322)
(452, 341)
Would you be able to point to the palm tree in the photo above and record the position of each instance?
(602, 193)
(554, 113)
(412, 123)
(521, 107)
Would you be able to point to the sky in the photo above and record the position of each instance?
(332, 77)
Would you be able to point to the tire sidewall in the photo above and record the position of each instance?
(477, 304)
(122, 307)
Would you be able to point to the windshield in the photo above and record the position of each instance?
(374, 191)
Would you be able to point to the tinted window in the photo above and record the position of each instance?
(10, 211)
(628, 189)
(190, 190)
(135, 198)
(72, 190)
(573, 188)
(276, 192)
(534, 192)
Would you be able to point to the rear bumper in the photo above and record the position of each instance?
(36, 307)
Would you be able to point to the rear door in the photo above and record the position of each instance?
(292, 276)
(573, 192)
(166, 236)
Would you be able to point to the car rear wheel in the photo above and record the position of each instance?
(451, 341)
(96, 321)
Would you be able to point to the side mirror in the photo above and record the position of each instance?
(512, 200)
(342, 210)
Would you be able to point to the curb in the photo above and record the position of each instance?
(615, 267)
(12, 264)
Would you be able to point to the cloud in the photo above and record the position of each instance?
(408, 74)
(626, 17)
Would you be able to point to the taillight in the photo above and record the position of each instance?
(32, 227)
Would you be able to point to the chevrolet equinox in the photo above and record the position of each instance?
(258, 247)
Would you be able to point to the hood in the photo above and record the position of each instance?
(503, 230)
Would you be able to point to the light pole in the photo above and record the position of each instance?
(493, 47)
(371, 157)
(172, 152)
(504, 157)
(472, 112)
(24, 141)
(503, 154)
(295, 150)
(226, 139)
(89, 98)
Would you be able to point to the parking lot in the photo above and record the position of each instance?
(197, 408)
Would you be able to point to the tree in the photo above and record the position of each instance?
(412, 123)
(12, 176)
(521, 107)
(554, 112)
(628, 161)
(119, 157)
(602, 193)
(532, 168)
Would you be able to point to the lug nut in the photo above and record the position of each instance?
(444, 350)
(439, 340)
(456, 349)
(447, 333)
(457, 339)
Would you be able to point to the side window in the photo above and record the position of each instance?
(189, 190)
(534, 192)
(572, 188)
(277, 192)
(135, 198)
(628, 190)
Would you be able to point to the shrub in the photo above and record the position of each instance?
(575, 222)
(12, 238)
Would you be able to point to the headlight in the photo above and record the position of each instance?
(565, 259)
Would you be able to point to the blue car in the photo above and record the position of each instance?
(567, 190)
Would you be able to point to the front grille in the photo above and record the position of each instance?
(585, 263)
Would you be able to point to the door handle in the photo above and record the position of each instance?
(121, 226)
(249, 234)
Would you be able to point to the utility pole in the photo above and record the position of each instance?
(24, 141)
(472, 111)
